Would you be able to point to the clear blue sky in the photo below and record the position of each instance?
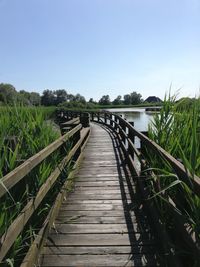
(96, 47)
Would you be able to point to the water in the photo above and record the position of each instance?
(140, 118)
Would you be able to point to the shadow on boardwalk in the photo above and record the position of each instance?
(102, 222)
(142, 240)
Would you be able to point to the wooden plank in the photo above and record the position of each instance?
(92, 196)
(103, 189)
(64, 216)
(98, 190)
(88, 213)
(101, 164)
(101, 175)
(85, 206)
(97, 250)
(98, 183)
(100, 169)
(95, 240)
(98, 154)
(100, 149)
(84, 183)
(96, 158)
(91, 201)
(92, 219)
(89, 229)
(106, 179)
(97, 260)
(100, 228)
(98, 179)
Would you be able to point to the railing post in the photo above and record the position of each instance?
(92, 115)
(132, 138)
(111, 124)
(115, 126)
(142, 146)
(105, 118)
(76, 137)
(124, 129)
(117, 130)
(67, 114)
(85, 119)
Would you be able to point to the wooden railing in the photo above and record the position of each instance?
(127, 134)
(76, 136)
(137, 161)
(71, 127)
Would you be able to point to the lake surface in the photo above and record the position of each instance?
(138, 115)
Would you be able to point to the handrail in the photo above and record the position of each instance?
(18, 224)
(175, 164)
(111, 119)
(120, 126)
(126, 133)
(32, 255)
(9, 180)
(72, 121)
(79, 138)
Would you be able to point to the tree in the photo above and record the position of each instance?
(35, 99)
(23, 97)
(8, 93)
(29, 98)
(91, 100)
(48, 98)
(70, 97)
(135, 98)
(79, 98)
(117, 100)
(127, 99)
(104, 100)
(61, 96)
(132, 99)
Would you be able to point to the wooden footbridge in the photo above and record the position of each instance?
(103, 213)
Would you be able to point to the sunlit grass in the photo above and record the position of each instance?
(24, 131)
(178, 132)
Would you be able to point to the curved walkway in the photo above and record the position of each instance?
(101, 223)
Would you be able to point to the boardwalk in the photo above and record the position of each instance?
(101, 223)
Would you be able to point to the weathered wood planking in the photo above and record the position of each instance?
(97, 260)
(101, 222)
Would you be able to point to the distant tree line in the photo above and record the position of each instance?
(129, 99)
(60, 97)
(9, 95)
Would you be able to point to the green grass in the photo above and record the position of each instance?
(25, 131)
(179, 134)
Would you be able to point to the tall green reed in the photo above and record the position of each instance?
(23, 132)
(178, 132)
